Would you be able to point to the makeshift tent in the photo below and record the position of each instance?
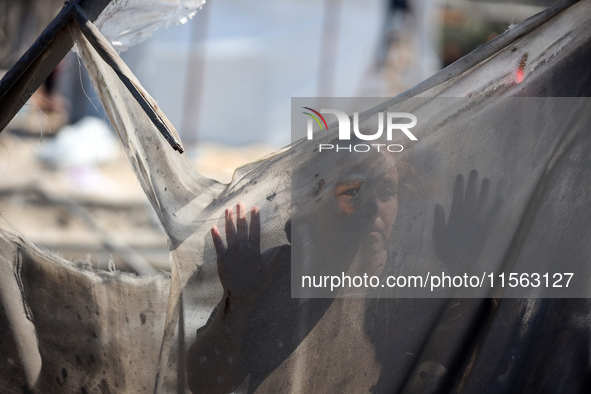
(70, 330)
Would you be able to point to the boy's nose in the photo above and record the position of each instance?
(371, 206)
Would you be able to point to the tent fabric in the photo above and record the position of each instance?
(63, 324)
(250, 335)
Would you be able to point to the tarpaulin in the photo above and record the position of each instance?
(485, 186)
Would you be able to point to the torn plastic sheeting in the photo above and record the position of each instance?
(126, 23)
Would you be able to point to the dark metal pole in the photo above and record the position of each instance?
(29, 72)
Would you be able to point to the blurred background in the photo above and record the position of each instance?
(64, 182)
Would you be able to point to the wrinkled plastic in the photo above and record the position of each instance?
(126, 23)
(271, 342)
(231, 323)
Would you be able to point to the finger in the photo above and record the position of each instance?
(230, 229)
(287, 229)
(241, 223)
(217, 242)
(255, 228)
(439, 221)
(438, 226)
(458, 201)
(471, 192)
(439, 241)
(484, 190)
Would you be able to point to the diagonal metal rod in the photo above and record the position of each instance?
(108, 54)
(19, 83)
(29, 72)
(47, 36)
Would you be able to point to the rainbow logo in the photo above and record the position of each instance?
(315, 118)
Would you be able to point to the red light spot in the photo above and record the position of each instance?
(520, 75)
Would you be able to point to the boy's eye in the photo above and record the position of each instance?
(348, 188)
(345, 193)
(350, 192)
(386, 193)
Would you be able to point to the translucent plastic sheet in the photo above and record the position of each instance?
(232, 323)
(441, 197)
(126, 23)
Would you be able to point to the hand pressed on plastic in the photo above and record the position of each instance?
(460, 242)
(242, 271)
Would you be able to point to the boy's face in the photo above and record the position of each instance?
(359, 206)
